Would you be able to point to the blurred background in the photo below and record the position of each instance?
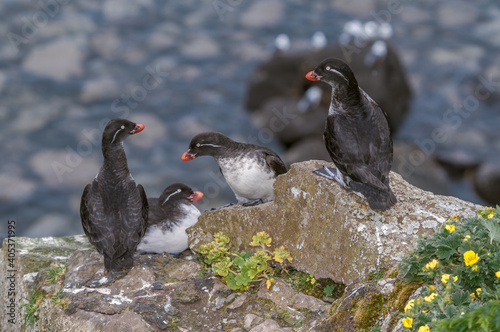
(234, 66)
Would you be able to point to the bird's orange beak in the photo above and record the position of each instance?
(138, 128)
(312, 76)
(196, 196)
(186, 156)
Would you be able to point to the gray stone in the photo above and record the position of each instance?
(386, 286)
(251, 320)
(329, 231)
(269, 325)
(302, 301)
(240, 300)
(280, 293)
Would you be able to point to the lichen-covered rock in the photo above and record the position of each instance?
(159, 293)
(329, 231)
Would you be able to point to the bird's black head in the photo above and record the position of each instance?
(206, 144)
(117, 130)
(178, 193)
(334, 72)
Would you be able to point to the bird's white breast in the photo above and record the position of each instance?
(174, 240)
(249, 180)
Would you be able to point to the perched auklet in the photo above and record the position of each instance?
(113, 209)
(356, 135)
(250, 170)
(169, 216)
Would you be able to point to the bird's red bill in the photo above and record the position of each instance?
(186, 156)
(312, 76)
(196, 196)
(138, 128)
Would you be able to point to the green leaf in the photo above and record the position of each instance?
(444, 252)
(493, 229)
(460, 298)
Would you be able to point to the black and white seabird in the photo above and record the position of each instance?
(250, 170)
(169, 216)
(356, 135)
(113, 209)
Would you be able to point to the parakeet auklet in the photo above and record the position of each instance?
(356, 135)
(250, 170)
(113, 209)
(169, 216)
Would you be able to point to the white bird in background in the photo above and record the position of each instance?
(377, 54)
(311, 98)
(318, 41)
(353, 30)
(281, 44)
(385, 31)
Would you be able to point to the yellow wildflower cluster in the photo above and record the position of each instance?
(424, 328)
(410, 305)
(497, 274)
(430, 297)
(470, 258)
(408, 322)
(450, 228)
(431, 265)
(445, 278)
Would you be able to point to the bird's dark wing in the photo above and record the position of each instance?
(274, 162)
(95, 223)
(145, 209)
(359, 149)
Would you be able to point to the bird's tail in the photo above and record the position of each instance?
(120, 264)
(378, 199)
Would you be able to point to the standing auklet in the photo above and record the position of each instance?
(356, 135)
(114, 211)
(169, 216)
(250, 170)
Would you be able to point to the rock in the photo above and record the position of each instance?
(302, 301)
(251, 320)
(328, 231)
(59, 60)
(269, 325)
(386, 286)
(280, 293)
(238, 302)
(486, 181)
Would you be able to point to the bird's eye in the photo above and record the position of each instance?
(198, 145)
(123, 127)
(327, 68)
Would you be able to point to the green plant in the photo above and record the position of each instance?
(239, 269)
(53, 275)
(328, 290)
(460, 266)
(31, 309)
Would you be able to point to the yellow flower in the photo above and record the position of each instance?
(432, 287)
(455, 278)
(408, 322)
(462, 313)
(491, 215)
(474, 268)
(470, 258)
(473, 296)
(445, 278)
(424, 328)
(455, 217)
(409, 305)
(497, 274)
(450, 228)
(478, 291)
(431, 265)
(467, 237)
(430, 297)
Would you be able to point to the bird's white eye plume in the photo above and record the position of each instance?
(172, 194)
